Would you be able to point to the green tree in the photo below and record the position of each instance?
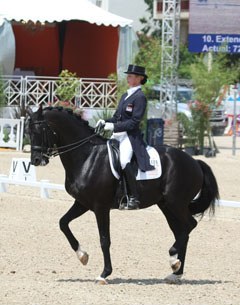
(149, 56)
(150, 26)
(122, 85)
(209, 75)
(233, 60)
(186, 59)
(67, 85)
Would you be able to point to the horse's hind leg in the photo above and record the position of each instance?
(75, 211)
(103, 222)
(181, 225)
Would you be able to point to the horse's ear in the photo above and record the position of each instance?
(40, 110)
(29, 111)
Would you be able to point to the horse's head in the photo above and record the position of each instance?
(38, 131)
(54, 131)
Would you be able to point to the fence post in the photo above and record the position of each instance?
(3, 188)
(21, 133)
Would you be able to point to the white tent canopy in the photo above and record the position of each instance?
(50, 11)
(58, 10)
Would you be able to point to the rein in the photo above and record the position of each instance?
(54, 153)
(49, 152)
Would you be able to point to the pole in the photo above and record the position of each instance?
(234, 123)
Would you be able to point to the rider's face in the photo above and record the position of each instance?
(134, 80)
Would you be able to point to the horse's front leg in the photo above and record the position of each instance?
(103, 221)
(75, 211)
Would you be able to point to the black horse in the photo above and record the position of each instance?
(89, 180)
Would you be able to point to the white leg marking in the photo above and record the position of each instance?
(173, 279)
(101, 281)
(82, 256)
(175, 263)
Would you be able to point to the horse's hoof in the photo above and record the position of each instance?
(173, 279)
(83, 257)
(101, 281)
(176, 265)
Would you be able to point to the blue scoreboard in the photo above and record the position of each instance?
(214, 26)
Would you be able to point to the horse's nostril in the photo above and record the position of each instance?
(36, 161)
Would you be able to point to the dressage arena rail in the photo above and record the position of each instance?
(45, 185)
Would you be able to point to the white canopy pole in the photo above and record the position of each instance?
(127, 50)
(7, 48)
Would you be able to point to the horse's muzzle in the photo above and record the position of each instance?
(39, 159)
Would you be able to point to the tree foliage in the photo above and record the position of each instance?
(233, 61)
(186, 59)
(67, 85)
(149, 56)
(209, 74)
(150, 26)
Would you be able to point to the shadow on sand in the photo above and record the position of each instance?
(147, 282)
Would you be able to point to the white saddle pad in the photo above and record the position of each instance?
(154, 160)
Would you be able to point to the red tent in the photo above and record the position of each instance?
(74, 35)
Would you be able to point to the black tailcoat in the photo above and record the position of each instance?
(127, 117)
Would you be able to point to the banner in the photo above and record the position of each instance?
(214, 26)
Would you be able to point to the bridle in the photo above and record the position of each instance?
(49, 152)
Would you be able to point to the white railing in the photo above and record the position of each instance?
(11, 133)
(43, 185)
(23, 91)
(29, 90)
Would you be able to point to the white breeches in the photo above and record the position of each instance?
(125, 148)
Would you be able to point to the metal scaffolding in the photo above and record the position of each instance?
(170, 56)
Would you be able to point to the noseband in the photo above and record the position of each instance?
(46, 150)
(46, 132)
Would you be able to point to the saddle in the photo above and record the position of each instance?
(114, 158)
(113, 150)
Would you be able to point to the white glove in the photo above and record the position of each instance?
(100, 122)
(109, 126)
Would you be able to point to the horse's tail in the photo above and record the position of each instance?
(209, 193)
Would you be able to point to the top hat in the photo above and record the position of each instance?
(137, 70)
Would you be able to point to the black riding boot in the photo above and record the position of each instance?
(134, 202)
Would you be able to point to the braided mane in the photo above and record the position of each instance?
(67, 111)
